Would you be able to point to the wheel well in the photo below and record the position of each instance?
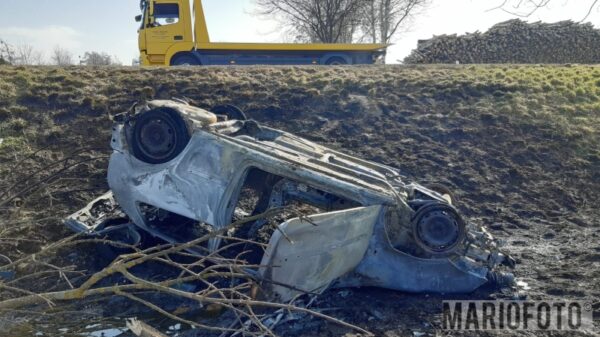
(328, 59)
(185, 55)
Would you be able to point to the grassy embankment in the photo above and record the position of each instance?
(520, 145)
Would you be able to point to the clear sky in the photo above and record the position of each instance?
(108, 25)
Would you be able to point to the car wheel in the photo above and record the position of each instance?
(159, 136)
(438, 228)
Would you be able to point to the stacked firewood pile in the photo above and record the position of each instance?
(514, 41)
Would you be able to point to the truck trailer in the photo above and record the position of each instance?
(169, 35)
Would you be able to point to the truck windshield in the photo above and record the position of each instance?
(166, 14)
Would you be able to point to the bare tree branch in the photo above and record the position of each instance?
(326, 21)
(235, 297)
(93, 58)
(27, 55)
(61, 57)
(590, 10)
(526, 8)
(7, 53)
(336, 21)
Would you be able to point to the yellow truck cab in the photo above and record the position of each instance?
(170, 35)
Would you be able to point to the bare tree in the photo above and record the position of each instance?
(342, 21)
(94, 58)
(7, 53)
(382, 19)
(327, 21)
(116, 61)
(25, 54)
(61, 57)
(526, 8)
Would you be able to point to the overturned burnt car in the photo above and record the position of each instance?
(365, 225)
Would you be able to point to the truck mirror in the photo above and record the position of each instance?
(138, 18)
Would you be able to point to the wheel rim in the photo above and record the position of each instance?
(157, 138)
(438, 229)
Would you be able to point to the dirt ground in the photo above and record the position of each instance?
(518, 145)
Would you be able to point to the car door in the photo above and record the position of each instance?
(306, 255)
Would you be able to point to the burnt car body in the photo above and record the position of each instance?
(370, 227)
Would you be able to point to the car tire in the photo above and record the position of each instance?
(159, 136)
(438, 228)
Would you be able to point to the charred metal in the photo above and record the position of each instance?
(178, 171)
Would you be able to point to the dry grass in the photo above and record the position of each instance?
(517, 143)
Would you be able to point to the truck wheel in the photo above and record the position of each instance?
(336, 61)
(159, 136)
(184, 60)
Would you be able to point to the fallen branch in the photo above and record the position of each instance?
(208, 270)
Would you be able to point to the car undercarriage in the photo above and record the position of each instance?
(178, 172)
